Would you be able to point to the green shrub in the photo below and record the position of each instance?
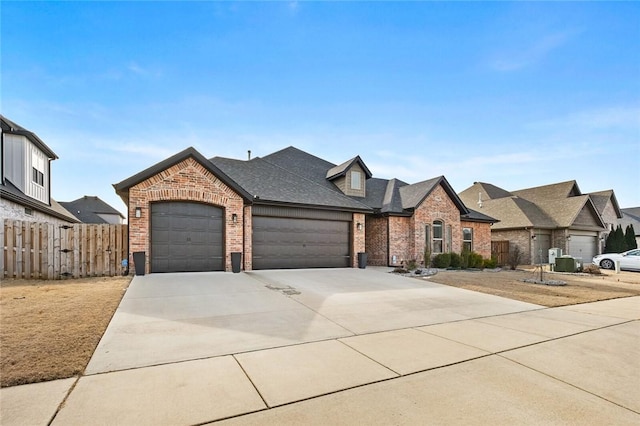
(475, 260)
(456, 260)
(491, 263)
(464, 259)
(442, 260)
(412, 264)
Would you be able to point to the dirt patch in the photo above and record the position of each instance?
(580, 288)
(49, 329)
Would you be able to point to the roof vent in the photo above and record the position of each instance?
(249, 154)
(480, 199)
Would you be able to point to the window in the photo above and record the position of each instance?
(356, 180)
(37, 176)
(467, 239)
(437, 236)
(28, 211)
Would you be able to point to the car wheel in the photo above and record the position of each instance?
(607, 264)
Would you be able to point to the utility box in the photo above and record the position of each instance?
(565, 264)
(554, 253)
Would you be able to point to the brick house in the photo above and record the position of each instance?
(289, 209)
(557, 215)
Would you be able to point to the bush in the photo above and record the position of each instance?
(411, 265)
(475, 260)
(515, 257)
(456, 260)
(490, 263)
(442, 260)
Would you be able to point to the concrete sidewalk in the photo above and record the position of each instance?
(571, 365)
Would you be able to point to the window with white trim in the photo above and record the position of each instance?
(437, 240)
(467, 239)
(356, 179)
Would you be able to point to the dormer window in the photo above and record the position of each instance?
(356, 180)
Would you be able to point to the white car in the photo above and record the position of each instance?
(628, 260)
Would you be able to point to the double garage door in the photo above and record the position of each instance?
(189, 237)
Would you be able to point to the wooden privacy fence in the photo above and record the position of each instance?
(34, 250)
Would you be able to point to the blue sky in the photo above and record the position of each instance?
(514, 94)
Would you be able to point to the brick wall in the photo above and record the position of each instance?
(400, 239)
(517, 237)
(376, 241)
(187, 181)
(359, 237)
(437, 206)
(481, 237)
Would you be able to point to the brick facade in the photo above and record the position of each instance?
(481, 237)
(359, 237)
(403, 238)
(188, 181)
(376, 241)
(518, 237)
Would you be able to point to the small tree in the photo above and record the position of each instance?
(630, 237)
(608, 245)
(620, 244)
(515, 257)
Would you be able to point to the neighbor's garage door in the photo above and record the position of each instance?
(294, 242)
(583, 246)
(186, 237)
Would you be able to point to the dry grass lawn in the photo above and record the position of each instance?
(580, 288)
(49, 329)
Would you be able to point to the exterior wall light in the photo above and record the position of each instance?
(234, 218)
(533, 237)
(359, 226)
(568, 237)
(138, 212)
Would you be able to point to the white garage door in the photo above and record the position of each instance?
(584, 247)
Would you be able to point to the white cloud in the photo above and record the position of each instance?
(522, 56)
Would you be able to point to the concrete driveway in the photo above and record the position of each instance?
(167, 318)
(344, 346)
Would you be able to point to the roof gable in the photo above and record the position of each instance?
(342, 169)
(552, 191)
(413, 195)
(10, 127)
(122, 188)
(601, 198)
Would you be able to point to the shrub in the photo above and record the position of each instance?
(412, 264)
(456, 260)
(515, 257)
(475, 260)
(490, 263)
(442, 260)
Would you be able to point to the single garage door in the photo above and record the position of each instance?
(186, 237)
(541, 247)
(287, 243)
(584, 247)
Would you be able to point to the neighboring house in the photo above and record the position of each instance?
(25, 190)
(290, 209)
(549, 216)
(631, 216)
(91, 209)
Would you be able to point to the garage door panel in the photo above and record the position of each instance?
(300, 243)
(583, 246)
(186, 237)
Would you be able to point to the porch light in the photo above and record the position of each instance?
(568, 237)
(234, 218)
(138, 212)
(359, 226)
(533, 237)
